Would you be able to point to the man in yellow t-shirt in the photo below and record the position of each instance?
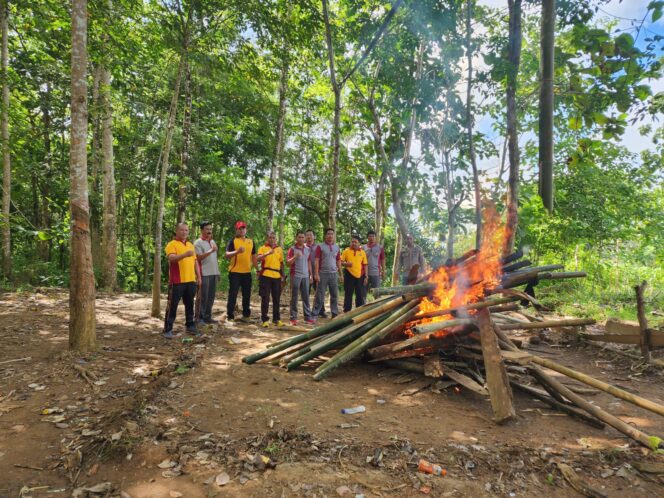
(354, 262)
(271, 257)
(183, 280)
(241, 252)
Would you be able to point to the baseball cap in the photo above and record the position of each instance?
(240, 224)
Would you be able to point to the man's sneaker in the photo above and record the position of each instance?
(266, 325)
(322, 314)
(279, 323)
(168, 335)
(310, 322)
(293, 322)
(211, 321)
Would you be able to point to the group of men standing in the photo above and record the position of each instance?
(194, 274)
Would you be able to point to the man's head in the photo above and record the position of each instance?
(329, 235)
(206, 229)
(299, 238)
(371, 237)
(181, 231)
(309, 237)
(271, 239)
(240, 229)
(409, 240)
(355, 242)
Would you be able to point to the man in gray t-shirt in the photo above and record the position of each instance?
(206, 254)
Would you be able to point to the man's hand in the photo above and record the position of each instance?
(214, 247)
(341, 278)
(366, 280)
(382, 274)
(240, 250)
(189, 253)
(316, 278)
(199, 280)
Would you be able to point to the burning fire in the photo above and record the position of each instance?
(468, 281)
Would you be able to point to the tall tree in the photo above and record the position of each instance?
(277, 156)
(156, 277)
(514, 59)
(547, 40)
(81, 281)
(6, 160)
(109, 234)
(470, 123)
(186, 144)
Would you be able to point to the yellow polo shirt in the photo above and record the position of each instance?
(271, 265)
(241, 263)
(183, 271)
(358, 258)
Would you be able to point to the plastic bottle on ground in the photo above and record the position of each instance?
(355, 409)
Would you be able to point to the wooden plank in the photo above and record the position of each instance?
(656, 338)
(466, 382)
(623, 327)
(496, 374)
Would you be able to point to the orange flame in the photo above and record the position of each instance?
(468, 281)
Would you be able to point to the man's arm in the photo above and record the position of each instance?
(254, 258)
(291, 257)
(202, 255)
(172, 258)
(230, 250)
(199, 277)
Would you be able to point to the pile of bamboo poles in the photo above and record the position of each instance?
(468, 345)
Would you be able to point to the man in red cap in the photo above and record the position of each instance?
(241, 252)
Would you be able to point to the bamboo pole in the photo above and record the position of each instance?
(569, 409)
(404, 289)
(335, 324)
(571, 322)
(332, 342)
(396, 319)
(645, 341)
(598, 384)
(561, 275)
(467, 307)
(651, 442)
(438, 326)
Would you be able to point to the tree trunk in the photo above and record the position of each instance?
(278, 139)
(380, 205)
(395, 262)
(96, 166)
(186, 141)
(451, 204)
(42, 212)
(109, 237)
(6, 161)
(156, 277)
(82, 279)
(336, 132)
(282, 203)
(514, 57)
(546, 103)
(470, 123)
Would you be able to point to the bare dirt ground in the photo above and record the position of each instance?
(144, 417)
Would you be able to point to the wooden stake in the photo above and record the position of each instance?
(496, 374)
(643, 321)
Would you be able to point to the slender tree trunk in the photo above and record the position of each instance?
(82, 280)
(380, 205)
(109, 237)
(514, 58)
(96, 168)
(395, 262)
(43, 222)
(6, 161)
(156, 277)
(470, 123)
(186, 141)
(282, 203)
(278, 139)
(451, 204)
(336, 132)
(547, 41)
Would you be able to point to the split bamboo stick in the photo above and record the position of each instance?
(571, 322)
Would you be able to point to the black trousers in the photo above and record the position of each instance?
(352, 285)
(269, 287)
(239, 281)
(186, 292)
